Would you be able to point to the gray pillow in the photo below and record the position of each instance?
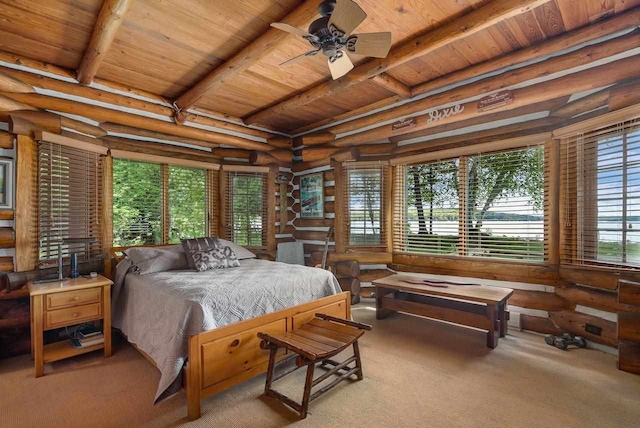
(157, 259)
(199, 244)
(241, 252)
(214, 258)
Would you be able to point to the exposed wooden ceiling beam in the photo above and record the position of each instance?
(260, 47)
(109, 20)
(581, 81)
(64, 73)
(102, 114)
(575, 38)
(120, 143)
(36, 80)
(544, 106)
(9, 84)
(129, 130)
(486, 136)
(624, 95)
(467, 25)
(392, 84)
(583, 105)
(577, 58)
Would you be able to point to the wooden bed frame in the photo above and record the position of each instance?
(226, 356)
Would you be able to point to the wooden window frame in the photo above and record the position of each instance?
(551, 215)
(269, 208)
(342, 200)
(211, 186)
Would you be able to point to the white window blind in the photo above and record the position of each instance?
(69, 201)
(365, 196)
(138, 202)
(187, 203)
(246, 208)
(600, 191)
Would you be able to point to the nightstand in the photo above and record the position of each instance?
(65, 303)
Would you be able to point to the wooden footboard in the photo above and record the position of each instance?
(224, 357)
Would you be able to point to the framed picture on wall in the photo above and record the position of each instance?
(6, 183)
(312, 196)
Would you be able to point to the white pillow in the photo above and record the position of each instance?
(241, 252)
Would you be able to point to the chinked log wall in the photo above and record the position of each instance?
(313, 232)
(14, 307)
(551, 299)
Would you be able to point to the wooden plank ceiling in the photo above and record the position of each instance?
(167, 46)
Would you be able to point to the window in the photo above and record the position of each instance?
(69, 201)
(601, 178)
(158, 203)
(431, 208)
(505, 205)
(187, 203)
(246, 208)
(365, 187)
(137, 203)
(486, 205)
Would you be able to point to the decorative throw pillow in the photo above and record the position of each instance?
(214, 258)
(157, 259)
(199, 244)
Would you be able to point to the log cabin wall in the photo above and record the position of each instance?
(561, 59)
(549, 297)
(14, 298)
(14, 308)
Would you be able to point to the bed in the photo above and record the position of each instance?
(200, 328)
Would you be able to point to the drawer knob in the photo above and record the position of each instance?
(76, 298)
(235, 342)
(76, 315)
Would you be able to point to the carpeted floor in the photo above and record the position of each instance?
(418, 373)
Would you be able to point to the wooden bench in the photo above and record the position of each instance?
(475, 306)
(318, 340)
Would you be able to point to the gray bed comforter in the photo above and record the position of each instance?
(159, 311)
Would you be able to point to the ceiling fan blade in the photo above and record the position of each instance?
(376, 45)
(291, 29)
(340, 65)
(346, 16)
(299, 57)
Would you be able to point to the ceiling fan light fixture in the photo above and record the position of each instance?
(331, 35)
(326, 7)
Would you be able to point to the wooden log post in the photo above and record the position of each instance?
(20, 126)
(351, 285)
(6, 141)
(26, 218)
(347, 269)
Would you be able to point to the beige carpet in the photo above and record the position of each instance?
(418, 373)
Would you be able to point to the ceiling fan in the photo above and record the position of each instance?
(331, 35)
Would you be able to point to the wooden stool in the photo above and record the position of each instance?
(316, 341)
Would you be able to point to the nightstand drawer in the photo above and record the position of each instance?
(73, 298)
(74, 315)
